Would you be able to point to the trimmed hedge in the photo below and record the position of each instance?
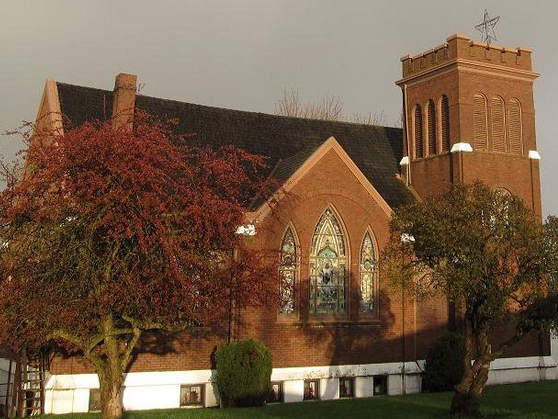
(444, 363)
(243, 373)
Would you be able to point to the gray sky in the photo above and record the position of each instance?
(240, 54)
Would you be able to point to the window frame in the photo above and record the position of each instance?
(201, 403)
(351, 381)
(280, 396)
(282, 316)
(375, 276)
(314, 314)
(92, 403)
(307, 384)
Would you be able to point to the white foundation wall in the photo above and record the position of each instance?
(161, 390)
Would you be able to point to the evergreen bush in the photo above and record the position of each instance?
(444, 363)
(243, 373)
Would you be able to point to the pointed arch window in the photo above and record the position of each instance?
(445, 124)
(288, 273)
(418, 132)
(432, 143)
(368, 274)
(328, 267)
(480, 130)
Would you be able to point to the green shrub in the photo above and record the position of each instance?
(444, 363)
(243, 373)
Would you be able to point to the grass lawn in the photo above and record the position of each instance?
(528, 400)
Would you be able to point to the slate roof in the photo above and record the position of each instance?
(287, 142)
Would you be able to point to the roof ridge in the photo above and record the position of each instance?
(330, 121)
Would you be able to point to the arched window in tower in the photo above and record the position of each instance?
(432, 143)
(515, 127)
(288, 265)
(480, 129)
(445, 123)
(418, 132)
(368, 274)
(328, 266)
(498, 122)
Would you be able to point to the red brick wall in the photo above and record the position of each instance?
(310, 341)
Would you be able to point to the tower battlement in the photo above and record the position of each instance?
(463, 48)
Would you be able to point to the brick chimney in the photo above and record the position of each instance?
(124, 100)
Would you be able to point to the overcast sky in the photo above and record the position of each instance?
(240, 53)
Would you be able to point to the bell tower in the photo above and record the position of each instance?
(469, 115)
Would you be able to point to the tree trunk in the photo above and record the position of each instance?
(111, 403)
(110, 376)
(466, 400)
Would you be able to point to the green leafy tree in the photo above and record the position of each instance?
(115, 232)
(488, 253)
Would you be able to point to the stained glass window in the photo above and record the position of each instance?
(287, 273)
(368, 272)
(328, 263)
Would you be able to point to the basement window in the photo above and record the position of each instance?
(191, 395)
(346, 387)
(311, 389)
(94, 400)
(380, 385)
(275, 392)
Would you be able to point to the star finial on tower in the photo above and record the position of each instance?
(487, 28)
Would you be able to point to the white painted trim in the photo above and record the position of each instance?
(464, 147)
(534, 155)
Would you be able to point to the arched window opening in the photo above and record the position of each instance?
(288, 265)
(432, 143)
(515, 127)
(445, 124)
(328, 265)
(480, 130)
(418, 132)
(497, 118)
(368, 274)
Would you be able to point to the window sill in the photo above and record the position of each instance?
(346, 323)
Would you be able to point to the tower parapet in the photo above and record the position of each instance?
(461, 47)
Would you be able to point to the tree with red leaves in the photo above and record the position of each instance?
(115, 232)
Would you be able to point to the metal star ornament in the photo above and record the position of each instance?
(487, 28)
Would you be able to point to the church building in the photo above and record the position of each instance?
(339, 329)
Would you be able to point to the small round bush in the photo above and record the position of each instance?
(444, 363)
(243, 373)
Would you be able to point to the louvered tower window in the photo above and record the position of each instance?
(418, 132)
(432, 143)
(480, 129)
(497, 118)
(515, 128)
(445, 124)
